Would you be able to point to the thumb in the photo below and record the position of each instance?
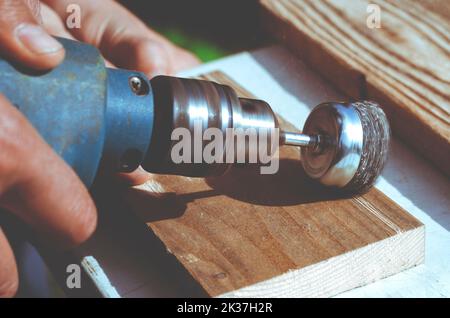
(23, 40)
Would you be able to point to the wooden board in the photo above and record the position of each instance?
(404, 65)
(246, 234)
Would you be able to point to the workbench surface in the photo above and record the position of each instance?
(292, 89)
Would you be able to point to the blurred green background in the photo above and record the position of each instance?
(210, 29)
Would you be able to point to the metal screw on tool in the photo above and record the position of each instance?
(138, 86)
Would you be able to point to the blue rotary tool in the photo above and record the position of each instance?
(96, 116)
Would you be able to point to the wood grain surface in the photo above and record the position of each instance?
(404, 65)
(246, 234)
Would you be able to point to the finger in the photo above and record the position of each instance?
(124, 39)
(55, 26)
(137, 177)
(23, 40)
(9, 278)
(38, 186)
(183, 60)
(53, 23)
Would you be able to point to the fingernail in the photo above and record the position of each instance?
(35, 39)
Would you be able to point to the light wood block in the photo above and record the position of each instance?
(252, 235)
(404, 65)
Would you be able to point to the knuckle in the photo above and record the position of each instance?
(9, 287)
(35, 8)
(11, 121)
(13, 12)
(14, 138)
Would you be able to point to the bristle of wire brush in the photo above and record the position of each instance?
(376, 140)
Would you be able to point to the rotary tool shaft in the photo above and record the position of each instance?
(298, 139)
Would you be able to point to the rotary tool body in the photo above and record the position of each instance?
(94, 116)
(97, 117)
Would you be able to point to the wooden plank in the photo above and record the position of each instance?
(246, 234)
(438, 7)
(404, 65)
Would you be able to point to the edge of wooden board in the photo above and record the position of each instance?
(346, 271)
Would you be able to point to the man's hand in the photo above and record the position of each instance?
(123, 39)
(37, 186)
(35, 183)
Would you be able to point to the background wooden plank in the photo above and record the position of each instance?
(439, 7)
(404, 65)
(246, 234)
